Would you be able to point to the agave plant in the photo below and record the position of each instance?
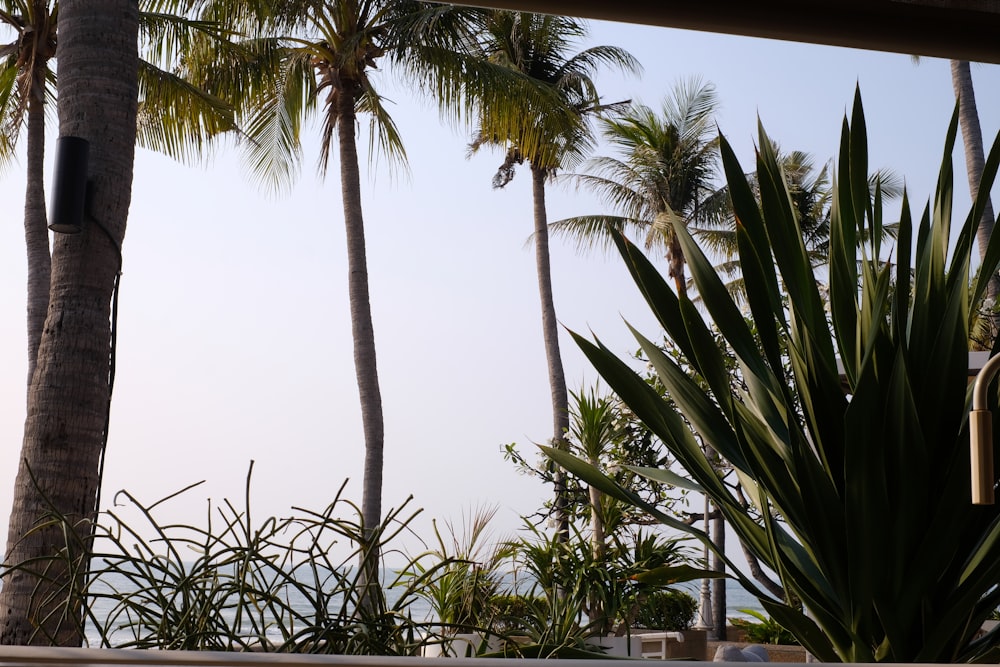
(850, 431)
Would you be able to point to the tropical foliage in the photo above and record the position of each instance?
(666, 610)
(174, 117)
(663, 178)
(539, 50)
(857, 458)
(239, 582)
(462, 574)
(762, 630)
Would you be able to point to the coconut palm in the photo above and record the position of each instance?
(662, 178)
(68, 397)
(174, 117)
(315, 58)
(972, 140)
(553, 135)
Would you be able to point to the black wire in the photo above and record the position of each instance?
(111, 370)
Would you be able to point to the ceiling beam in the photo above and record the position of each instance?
(957, 29)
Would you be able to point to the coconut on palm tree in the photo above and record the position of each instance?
(549, 133)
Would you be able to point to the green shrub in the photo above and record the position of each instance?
(667, 610)
(765, 630)
(507, 612)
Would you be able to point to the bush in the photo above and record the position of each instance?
(507, 613)
(667, 610)
(764, 630)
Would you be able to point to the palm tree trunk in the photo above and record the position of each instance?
(36, 233)
(675, 263)
(598, 549)
(550, 335)
(975, 160)
(68, 397)
(719, 603)
(361, 327)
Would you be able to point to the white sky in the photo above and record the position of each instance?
(234, 332)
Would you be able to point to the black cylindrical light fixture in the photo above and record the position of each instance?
(69, 185)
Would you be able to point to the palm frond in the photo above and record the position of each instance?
(590, 232)
(178, 118)
(274, 125)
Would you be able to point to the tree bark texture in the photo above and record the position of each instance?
(365, 365)
(36, 232)
(550, 336)
(719, 602)
(975, 159)
(68, 397)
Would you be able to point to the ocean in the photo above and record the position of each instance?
(737, 601)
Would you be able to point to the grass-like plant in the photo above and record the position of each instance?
(460, 577)
(282, 585)
(851, 434)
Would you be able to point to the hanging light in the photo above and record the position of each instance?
(69, 185)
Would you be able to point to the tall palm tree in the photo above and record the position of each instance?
(58, 474)
(27, 82)
(551, 136)
(662, 177)
(174, 117)
(306, 58)
(972, 139)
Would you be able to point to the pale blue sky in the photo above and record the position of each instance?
(234, 333)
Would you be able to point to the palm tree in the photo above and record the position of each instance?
(305, 58)
(972, 139)
(551, 135)
(27, 82)
(58, 474)
(174, 117)
(662, 178)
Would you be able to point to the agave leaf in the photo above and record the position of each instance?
(757, 268)
(668, 575)
(592, 476)
(787, 244)
(804, 629)
(721, 306)
(991, 258)
(694, 404)
(667, 476)
(661, 299)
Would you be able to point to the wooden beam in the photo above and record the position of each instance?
(957, 29)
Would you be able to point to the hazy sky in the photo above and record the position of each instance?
(234, 330)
